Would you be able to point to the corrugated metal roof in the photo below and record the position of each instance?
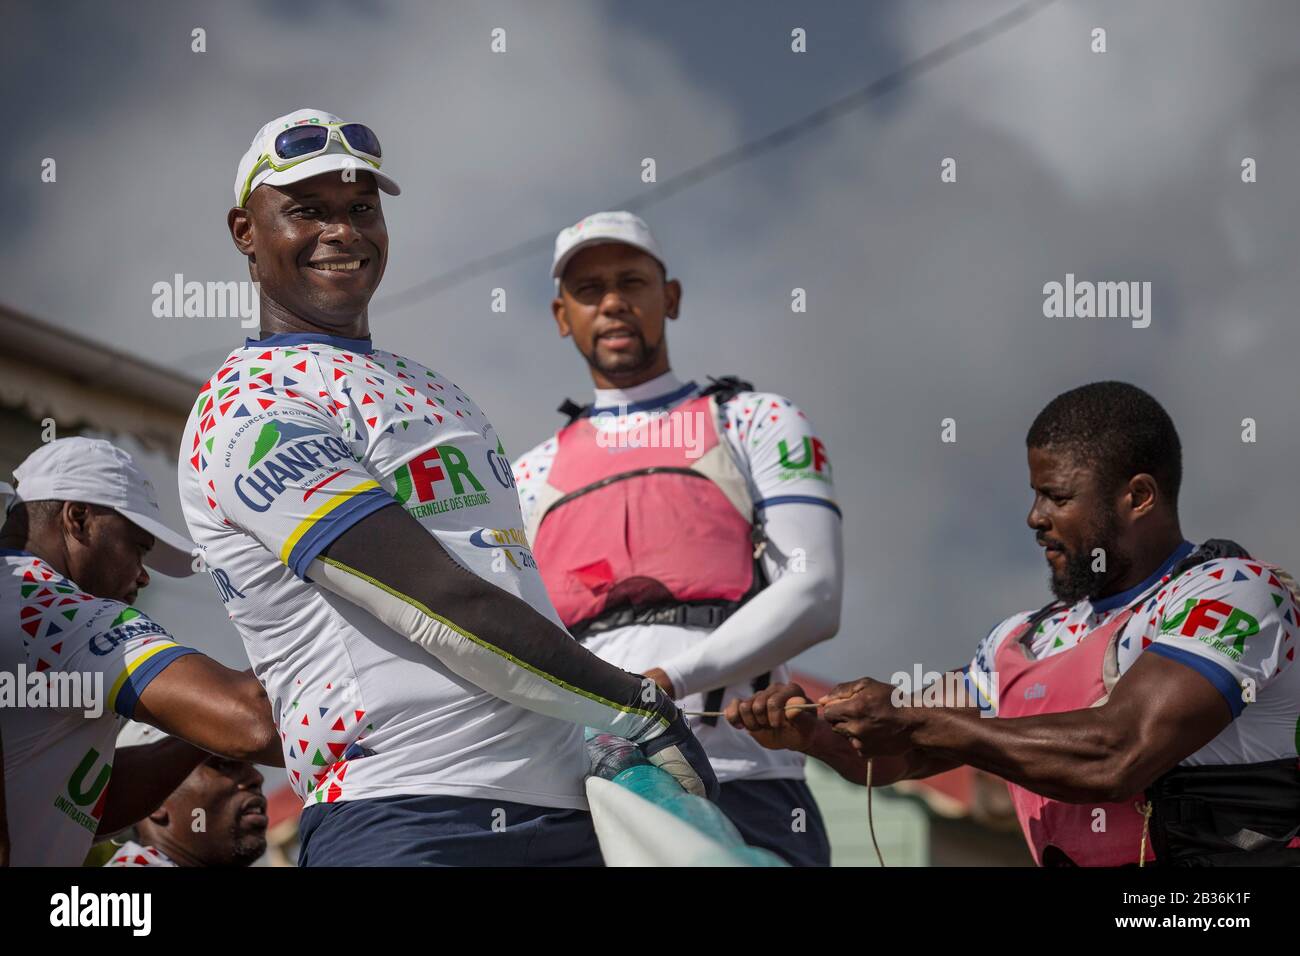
(49, 372)
(93, 363)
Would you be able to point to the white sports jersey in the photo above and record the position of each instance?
(1233, 621)
(133, 854)
(57, 759)
(784, 462)
(295, 439)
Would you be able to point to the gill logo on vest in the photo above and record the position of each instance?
(812, 460)
(1208, 614)
(420, 480)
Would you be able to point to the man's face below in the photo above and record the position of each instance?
(1076, 523)
(613, 300)
(321, 245)
(110, 564)
(229, 792)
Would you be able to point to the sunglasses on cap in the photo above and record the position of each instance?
(297, 144)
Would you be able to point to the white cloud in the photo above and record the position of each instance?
(925, 298)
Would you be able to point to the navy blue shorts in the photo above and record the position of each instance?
(444, 831)
(763, 812)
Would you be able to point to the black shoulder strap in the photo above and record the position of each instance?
(726, 387)
(573, 410)
(723, 389)
(1210, 550)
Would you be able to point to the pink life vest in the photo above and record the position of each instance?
(640, 518)
(1076, 679)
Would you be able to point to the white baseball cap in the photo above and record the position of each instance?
(602, 227)
(99, 473)
(335, 159)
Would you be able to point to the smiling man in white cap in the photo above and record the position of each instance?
(686, 532)
(358, 510)
(72, 556)
(307, 285)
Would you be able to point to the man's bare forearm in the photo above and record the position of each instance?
(1158, 712)
(835, 751)
(215, 708)
(1077, 756)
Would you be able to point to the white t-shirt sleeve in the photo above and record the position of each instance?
(1232, 621)
(797, 610)
(126, 649)
(285, 473)
(788, 463)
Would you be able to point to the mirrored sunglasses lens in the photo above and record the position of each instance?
(362, 139)
(300, 140)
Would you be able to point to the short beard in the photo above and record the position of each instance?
(617, 369)
(1078, 580)
(246, 848)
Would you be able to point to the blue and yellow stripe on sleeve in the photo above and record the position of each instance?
(334, 516)
(141, 667)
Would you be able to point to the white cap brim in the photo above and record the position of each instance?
(329, 163)
(557, 270)
(172, 554)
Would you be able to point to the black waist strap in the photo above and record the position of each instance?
(1227, 815)
(706, 616)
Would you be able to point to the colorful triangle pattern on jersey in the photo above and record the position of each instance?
(49, 605)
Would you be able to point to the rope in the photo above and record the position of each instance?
(871, 819)
(721, 713)
(1146, 826)
(871, 822)
(1144, 809)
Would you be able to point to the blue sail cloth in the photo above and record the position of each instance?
(621, 762)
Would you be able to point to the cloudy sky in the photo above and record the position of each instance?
(924, 298)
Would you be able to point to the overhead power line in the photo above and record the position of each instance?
(733, 157)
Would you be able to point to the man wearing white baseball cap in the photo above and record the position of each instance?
(97, 472)
(72, 555)
(687, 533)
(353, 502)
(306, 143)
(604, 228)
